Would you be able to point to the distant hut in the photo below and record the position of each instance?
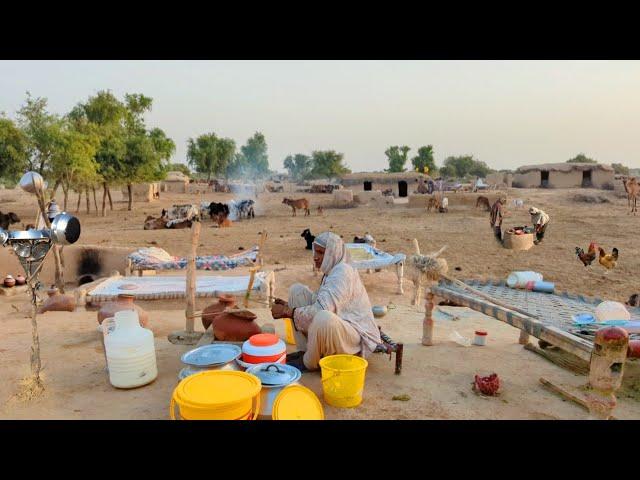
(564, 175)
(143, 192)
(402, 183)
(176, 182)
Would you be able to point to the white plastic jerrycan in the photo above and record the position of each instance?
(131, 352)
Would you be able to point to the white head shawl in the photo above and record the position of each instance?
(335, 251)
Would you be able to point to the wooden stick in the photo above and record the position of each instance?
(252, 275)
(558, 360)
(191, 277)
(56, 249)
(567, 394)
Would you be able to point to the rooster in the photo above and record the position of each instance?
(608, 260)
(589, 257)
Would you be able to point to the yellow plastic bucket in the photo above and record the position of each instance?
(217, 395)
(343, 380)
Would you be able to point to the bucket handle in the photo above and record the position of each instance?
(172, 406)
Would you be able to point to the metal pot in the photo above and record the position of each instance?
(274, 377)
(65, 229)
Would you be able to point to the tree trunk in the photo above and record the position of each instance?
(129, 191)
(104, 198)
(55, 189)
(66, 197)
(109, 195)
(79, 200)
(95, 200)
(86, 196)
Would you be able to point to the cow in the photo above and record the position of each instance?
(7, 219)
(181, 213)
(246, 207)
(160, 223)
(433, 203)
(218, 211)
(301, 203)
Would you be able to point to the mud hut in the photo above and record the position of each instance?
(176, 182)
(143, 192)
(564, 175)
(402, 183)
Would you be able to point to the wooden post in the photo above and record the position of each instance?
(524, 338)
(605, 371)
(191, 277)
(427, 325)
(252, 274)
(57, 255)
(189, 336)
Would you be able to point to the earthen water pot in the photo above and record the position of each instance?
(235, 326)
(58, 302)
(224, 302)
(122, 302)
(20, 280)
(9, 281)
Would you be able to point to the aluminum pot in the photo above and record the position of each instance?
(274, 377)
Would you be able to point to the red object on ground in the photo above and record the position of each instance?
(487, 385)
(634, 349)
(480, 332)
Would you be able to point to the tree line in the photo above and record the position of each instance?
(100, 143)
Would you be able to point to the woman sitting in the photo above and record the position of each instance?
(337, 319)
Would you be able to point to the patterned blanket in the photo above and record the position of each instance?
(158, 259)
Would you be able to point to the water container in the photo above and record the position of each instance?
(130, 351)
(520, 279)
(611, 311)
(546, 287)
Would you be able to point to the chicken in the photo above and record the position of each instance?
(589, 257)
(608, 260)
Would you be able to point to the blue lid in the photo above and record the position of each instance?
(275, 374)
(583, 319)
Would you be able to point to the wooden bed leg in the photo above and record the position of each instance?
(427, 324)
(400, 274)
(524, 338)
(399, 351)
(606, 371)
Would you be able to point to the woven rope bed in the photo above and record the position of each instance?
(174, 287)
(154, 258)
(553, 312)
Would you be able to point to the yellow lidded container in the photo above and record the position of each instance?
(297, 403)
(217, 395)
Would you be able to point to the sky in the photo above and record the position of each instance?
(505, 113)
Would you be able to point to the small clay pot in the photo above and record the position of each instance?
(20, 280)
(224, 302)
(122, 302)
(9, 281)
(58, 302)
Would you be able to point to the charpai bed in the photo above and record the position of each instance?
(174, 287)
(366, 257)
(158, 259)
(553, 322)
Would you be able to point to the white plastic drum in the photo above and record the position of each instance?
(611, 311)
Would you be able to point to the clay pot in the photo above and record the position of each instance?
(58, 302)
(224, 302)
(9, 281)
(20, 280)
(229, 326)
(123, 302)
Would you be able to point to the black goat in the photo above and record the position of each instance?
(306, 234)
(359, 240)
(7, 219)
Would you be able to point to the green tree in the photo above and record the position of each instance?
(298, 165)
(42, 130)
(73, 164)
(461, 166)
(397, 158)
(179, 167)
(252, 161)
(620, 169)
(424, 158)
(581, 158)
(107, 114)
(13, 150)
(208, 154)
(327, 163)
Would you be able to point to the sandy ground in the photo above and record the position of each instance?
(437, 379)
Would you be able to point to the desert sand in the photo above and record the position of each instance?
(437, 379)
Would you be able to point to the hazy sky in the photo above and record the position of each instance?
(506, 113)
